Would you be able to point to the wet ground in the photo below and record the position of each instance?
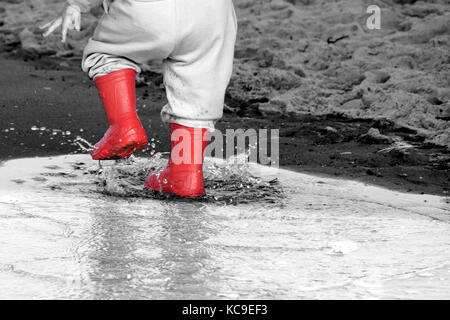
(63, 235)
(77, 230)
(48, 103)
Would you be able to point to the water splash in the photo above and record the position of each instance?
(83, 144)
(229, 182)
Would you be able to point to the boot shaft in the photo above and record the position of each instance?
(184, 173)
(118, 93)
(187, 146)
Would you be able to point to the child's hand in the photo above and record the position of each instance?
(69, 18)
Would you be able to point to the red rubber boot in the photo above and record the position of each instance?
(125, 134)
(184, 173)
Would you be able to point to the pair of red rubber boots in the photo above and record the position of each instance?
(184, 173)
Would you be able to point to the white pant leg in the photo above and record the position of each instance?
(195, 38)
(198, 71)
(131, 33)
(101, 64)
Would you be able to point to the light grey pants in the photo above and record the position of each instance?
(194, 39)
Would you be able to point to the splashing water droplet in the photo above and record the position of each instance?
(83, 144)
(225, 182)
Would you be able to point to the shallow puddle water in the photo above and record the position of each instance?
(72, 228)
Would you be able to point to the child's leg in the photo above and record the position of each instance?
(125, 134)
(196, 75)
(121, 42)
(198, 71)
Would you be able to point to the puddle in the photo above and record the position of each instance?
(70, 230)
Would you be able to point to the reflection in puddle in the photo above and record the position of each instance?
(70, 229)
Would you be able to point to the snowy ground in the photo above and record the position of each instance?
(63, 235)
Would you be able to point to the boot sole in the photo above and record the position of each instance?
(125, 151)
(194, 195)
